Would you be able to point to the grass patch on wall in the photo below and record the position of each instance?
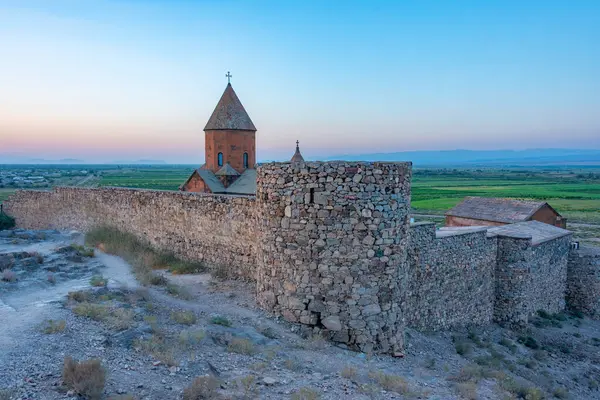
(142, 257)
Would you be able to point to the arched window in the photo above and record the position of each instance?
(245, 160)
(220, 159)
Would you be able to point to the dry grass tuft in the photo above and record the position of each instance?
(218, 320)
(158, 347)
(305, 393)
(349, 373)
(79, 296)
(391, 383)
(184, 317)
(466, 390)
(241, 346)
(98, 281)
(87, 378)
(51, 326)
(202, 387)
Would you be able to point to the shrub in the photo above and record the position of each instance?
(544, 314)
(202, 387)
(179, 267)
(218, 320)
(306, 393)
(184, 317)
(82, 250)
(189, 338)
(120, 319)
(391, 383)
(530, 342)
(508, 344)
(6, 221)
(178, 291)
(247, 384)
(9, 275)
(466, 390)
(79, 296)
(561, 393)
(241, 346)
(462, 348)
(51, 326)
(96, 312)
(87, 378)
(98, 281)
(348, 373)
(292, 365)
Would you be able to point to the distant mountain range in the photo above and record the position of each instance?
(439, 158)
(530, 157)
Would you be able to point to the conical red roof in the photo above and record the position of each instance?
(229, 114)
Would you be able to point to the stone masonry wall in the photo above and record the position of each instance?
(583, 281)
(332, 248)
(450, 279)
(530, 278)
(216, 229)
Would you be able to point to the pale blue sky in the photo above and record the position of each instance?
(129, 79)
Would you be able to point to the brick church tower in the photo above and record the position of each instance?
(230, 135)
(230, 146)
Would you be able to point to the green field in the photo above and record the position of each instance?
(4, 193)
(573, 193)
(159, 178)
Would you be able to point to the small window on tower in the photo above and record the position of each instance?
(220, 159)
(245, 160)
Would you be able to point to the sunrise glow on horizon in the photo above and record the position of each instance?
(133, 79)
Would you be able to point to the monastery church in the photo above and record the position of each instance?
(230, 147)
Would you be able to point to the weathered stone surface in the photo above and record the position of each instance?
(583, 281)
(355, 221)
(332, 323)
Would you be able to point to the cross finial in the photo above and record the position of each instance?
(297, 143)
(228, 75)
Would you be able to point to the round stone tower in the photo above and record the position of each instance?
(332, 248)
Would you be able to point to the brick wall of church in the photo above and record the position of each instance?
(233, 144)
(214, 229)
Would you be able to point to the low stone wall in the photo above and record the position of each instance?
(530, 278)
(583, 281)
(333, 238)
(215, 229)
(450, 279)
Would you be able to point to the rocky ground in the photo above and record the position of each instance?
(154, 341)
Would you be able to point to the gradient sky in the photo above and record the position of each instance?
(130, 79)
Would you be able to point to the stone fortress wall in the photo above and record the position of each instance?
(213, 229)
(330, 245)
(450, 278)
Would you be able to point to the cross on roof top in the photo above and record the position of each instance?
(228, 75)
